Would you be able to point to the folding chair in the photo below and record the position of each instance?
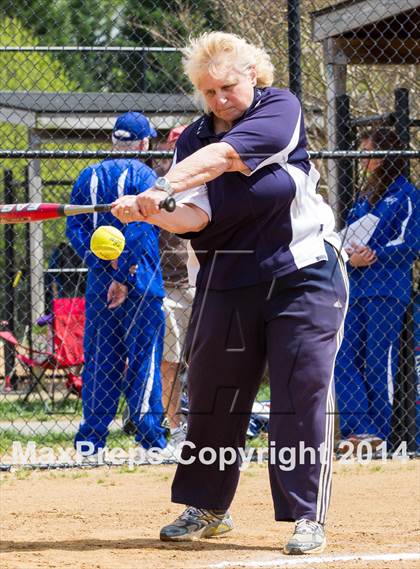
(64, 359)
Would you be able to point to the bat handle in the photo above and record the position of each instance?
(103, 208)
(168, 204)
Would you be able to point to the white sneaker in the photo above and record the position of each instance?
(195, 523)
(94, 459)
(178, 435)
(308, 537)
(156, 455)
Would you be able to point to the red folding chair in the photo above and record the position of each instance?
(47, 368)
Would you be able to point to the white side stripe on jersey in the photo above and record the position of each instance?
(282, 156)
(312, 221)
(401, 237)
(121, 182)
(307, 218)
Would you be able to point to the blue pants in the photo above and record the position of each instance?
(132, 332)
(367, 365)
(294, 323)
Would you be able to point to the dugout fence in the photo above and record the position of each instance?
(353, 66)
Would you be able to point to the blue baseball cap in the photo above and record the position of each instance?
(132, 126)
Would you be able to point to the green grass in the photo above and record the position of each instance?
(23, 474)
(36, 409)
(79, 474)
(15, 409)
(56, 441)
(126, 469)
(264, 391)
(259, 442)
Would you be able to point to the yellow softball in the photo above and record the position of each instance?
(107, 242)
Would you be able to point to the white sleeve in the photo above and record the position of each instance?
(195, 196)
(193, 266)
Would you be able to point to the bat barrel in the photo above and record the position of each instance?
(28, 212)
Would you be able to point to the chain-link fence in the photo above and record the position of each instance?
(75, 370)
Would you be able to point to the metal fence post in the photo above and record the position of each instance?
(345, 139)
(9, 271)
(402, 122)
(294, 48)
(404, 416)
(28, 265)
(36, 244)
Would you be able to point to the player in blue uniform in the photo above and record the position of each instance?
(380, 287)
(271, 287)
(124, 317)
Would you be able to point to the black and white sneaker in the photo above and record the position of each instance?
(308, 537)
(178, 435)
(195, 523)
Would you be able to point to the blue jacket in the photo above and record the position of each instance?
(396, 242)
(103, 183)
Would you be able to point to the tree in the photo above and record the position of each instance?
(151, 23)
(27, 72)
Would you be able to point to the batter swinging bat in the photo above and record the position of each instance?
(28, 212)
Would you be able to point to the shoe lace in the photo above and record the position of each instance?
(307, 526)
(191, 512)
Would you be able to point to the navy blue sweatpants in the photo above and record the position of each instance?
(295, 324)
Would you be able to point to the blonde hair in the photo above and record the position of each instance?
(218, 52)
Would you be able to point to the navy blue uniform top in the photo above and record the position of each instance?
(396, 242)
(103, 183)
(271, 222)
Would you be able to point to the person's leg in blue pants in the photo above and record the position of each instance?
(144, 327)
(384, 325)
(105, 357)
(350, 380)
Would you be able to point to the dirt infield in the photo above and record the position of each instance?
(108, 518)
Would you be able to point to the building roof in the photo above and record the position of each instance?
(371, 31)
(42, 102)
(90, 115)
